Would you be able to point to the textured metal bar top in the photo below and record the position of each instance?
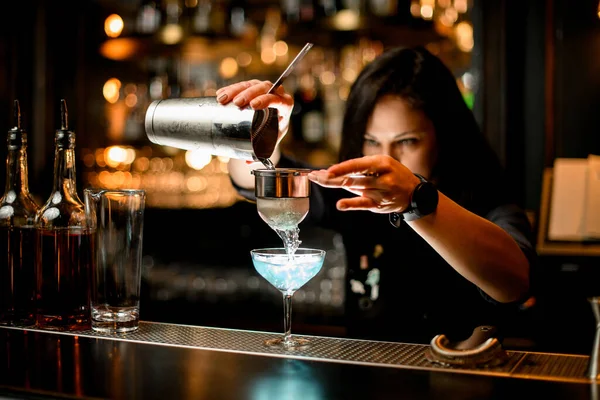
(385, 354)
(178, 361)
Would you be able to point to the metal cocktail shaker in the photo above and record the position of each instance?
(222, 130)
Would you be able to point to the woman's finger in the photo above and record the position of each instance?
(368, 165)
(281, 102)
(350, 181)
(319, 177)
(228, 93)
(247, 95)
(237, 87)
(356, 203)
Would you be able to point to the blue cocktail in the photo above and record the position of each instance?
(288, 273)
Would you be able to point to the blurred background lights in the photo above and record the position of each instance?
(116, 154)
(131, 100)
(327, 77)
(171, 34)
(461, 6)
(244, 59)
(228, 68)
(113, 25)
(415, 9)
(426, 11)
(464, 36)
(196, 183)
(197, 159)
(280, 48)
(267, 55)
(468, 80)
(346, 20)
(111, 90)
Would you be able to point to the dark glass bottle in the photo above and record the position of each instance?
(148, 18)
(308, 119)
(65, 245)
(17, 236)
(201, 19)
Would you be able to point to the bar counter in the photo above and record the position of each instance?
(167, 361)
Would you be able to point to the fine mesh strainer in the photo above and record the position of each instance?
(281, 183)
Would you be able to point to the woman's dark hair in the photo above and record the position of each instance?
(467, 167)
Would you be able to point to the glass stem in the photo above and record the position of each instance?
(287, 317)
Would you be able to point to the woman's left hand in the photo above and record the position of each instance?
(383, 184)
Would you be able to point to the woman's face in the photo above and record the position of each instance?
(402, 132)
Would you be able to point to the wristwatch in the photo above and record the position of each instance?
(423, 201)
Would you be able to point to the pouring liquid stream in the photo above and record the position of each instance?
(283, 216)
(267, 163)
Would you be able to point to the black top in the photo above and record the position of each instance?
(398, 288)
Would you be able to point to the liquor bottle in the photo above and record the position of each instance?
(171, 30)
(308, 119)
(307, 11)
(201, 17)
(148, 18)
(65, 246)
(174, 87)
(218, 18)
(291, 10)
(238, 18)
(17, 236)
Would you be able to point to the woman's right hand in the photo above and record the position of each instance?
(254, 94)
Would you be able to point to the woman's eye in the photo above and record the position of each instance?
(407, 142)
(371, 142)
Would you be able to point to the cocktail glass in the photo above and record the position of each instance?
(288, 273)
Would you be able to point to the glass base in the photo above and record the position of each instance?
(115, 319)
(114, 327)
(17, 321)
(73, 322)
(290, 344)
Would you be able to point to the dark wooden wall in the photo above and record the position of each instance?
(577, 78)
(49, 53)
(17, 63)
(509, 60)
(538, 66)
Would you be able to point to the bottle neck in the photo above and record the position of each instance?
(16, 171)
(64, 172)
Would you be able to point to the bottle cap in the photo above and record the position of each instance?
(17, 137)
(64, 138)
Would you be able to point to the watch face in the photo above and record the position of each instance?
(424, 200)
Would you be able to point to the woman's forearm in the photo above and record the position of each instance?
(478, 249)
